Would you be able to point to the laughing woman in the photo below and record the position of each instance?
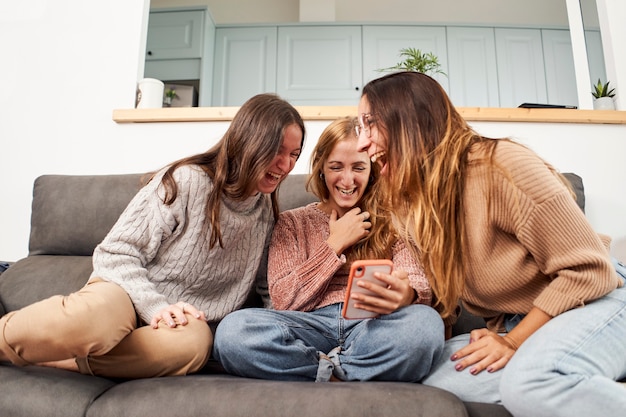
(182, 255)
(305, 338)
(497, 229)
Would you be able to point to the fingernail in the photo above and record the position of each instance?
(490, 369)
(473, 371)
(458, 367)
(453, 357)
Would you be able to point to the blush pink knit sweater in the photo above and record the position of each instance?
(305, 274)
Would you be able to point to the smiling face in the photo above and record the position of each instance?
(346, 174)
(284, 161)
(370, 138)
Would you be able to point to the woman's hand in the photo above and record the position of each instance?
(347, 230)
(175, 314)
(398, 293)
(490, 351)
(487, 351)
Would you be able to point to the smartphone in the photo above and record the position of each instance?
(363, 270)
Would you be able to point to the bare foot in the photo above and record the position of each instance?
(67, 364)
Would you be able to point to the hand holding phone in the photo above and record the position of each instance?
(363, 270)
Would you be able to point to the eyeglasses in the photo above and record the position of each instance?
(364, 125)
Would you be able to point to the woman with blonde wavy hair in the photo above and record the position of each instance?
(497, 230)
(310, 255)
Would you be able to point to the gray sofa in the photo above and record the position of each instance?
(70, 216)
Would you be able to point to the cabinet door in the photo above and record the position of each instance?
(521, 75)
(244, 65)
(175, 35)
(473, 71)
(319, 65)
(382, 45)
(559, 61)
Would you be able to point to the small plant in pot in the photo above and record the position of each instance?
(603, 96)
(417, 61)
(169, 95)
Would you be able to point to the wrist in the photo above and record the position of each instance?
(513, 344)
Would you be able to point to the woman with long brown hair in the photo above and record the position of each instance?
(184, 253)
(497, 229)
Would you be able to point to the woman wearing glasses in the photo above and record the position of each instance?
(497, 229)
(312, 247)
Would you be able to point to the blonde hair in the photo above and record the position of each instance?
(380, 240)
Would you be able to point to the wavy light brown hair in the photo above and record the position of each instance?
(427, 144)
(378, 244)
(242, 156)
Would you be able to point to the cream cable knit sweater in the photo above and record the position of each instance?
(160, 254)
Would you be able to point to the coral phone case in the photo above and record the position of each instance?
(363, 270)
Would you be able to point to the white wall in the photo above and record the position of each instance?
(66, 64)
(506, 12)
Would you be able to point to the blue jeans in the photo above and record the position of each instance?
(566, 368)
(310, 346)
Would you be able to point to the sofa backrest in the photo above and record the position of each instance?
(71, 214)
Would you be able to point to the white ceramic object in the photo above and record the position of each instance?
(604, 103)
(150, 93)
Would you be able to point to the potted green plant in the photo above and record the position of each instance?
(603, 96)
(170, 94)
(417, 61)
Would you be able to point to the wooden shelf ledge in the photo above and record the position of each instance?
(475, 114)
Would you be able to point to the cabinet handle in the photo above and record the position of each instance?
(149, 52)
(356, 88)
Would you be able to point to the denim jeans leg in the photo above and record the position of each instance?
(401, 346)
(569, 366)
(271, 344)
(482, 387)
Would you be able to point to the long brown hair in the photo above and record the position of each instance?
(241, 157)
(427, 147)
(379, 241)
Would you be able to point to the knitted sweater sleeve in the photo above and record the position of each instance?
(403, 259)
(138, 236)
(300, 264)
(567, 252)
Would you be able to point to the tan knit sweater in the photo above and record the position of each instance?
(532, 246)
(160, 254)
(305, 274)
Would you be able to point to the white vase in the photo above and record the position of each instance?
(604, 103)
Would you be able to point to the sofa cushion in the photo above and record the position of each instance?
(292, 192)
(35, 391)
(578, 188)
(40, 276)
(228, 396)
(71, 214)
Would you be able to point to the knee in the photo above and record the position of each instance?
(521, 389)
(424, 323)
(229, 334)
(197, 340)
